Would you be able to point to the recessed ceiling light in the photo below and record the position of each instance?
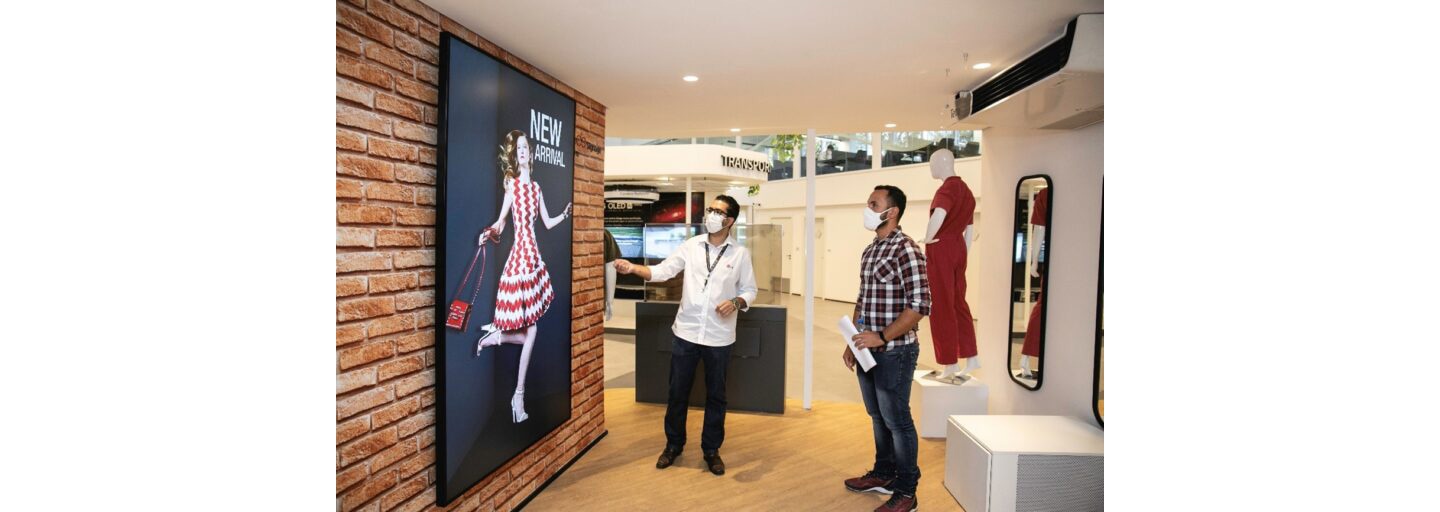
(692, 78)
(982, 65)
(734, 130)
(889, 125)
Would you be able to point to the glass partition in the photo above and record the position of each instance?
(907, 148)
(763, 241)
(836, 152)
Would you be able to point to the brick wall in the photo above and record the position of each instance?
(386, 90)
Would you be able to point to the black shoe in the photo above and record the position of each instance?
(667, 458)
(712, 460)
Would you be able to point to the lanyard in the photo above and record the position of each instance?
(709, 266)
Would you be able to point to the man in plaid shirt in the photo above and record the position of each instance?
(894, 296)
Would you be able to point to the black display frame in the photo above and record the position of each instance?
(442, 495)
(1099, 325)
(1044, 283)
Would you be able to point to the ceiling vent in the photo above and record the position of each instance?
(1059, 87)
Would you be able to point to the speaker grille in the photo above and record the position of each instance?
(1060, 483)
(1033, 69)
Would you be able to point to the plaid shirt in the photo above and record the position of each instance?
(892, 279)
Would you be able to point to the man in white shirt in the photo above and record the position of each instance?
(719, 282)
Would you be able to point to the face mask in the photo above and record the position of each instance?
(714, 223)
(872, 218)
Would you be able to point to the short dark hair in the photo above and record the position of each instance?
(732, 207)
(897, 198)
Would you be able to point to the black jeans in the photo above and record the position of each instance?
(684, 357)
(886, 391)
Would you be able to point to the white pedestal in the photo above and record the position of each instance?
(1009, 463)
(939, 400)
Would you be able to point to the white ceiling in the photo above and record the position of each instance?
(770, 66)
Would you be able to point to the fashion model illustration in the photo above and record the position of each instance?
(524, 292)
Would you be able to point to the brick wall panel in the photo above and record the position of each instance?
(364, 214)
(417, 48)
(396, 192)
(352, 429)
(393, 282)
(348, 41)
(347, 382)
(400, 19)
(389, 414)
(363, 71)
(354, 262)
(387, 74)
(391, 149)
(364, 25)
(418, 341)
(349, 286)
(427, 73)
(350, 140)
(391, 325)
(347, 115)
(347, 334)
(348, 90)
(415, 174)
(415, 216)
(417, 90)
(352, 357)
(414, 383)
(417, 8)
(349, 189)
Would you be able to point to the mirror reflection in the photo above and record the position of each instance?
(1100, 332)
(1028, 278)
(1100, 362)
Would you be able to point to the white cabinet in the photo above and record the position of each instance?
(1025, 464)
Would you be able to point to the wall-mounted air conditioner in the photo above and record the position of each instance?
(1059, 87)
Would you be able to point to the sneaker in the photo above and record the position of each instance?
(871, 482)
(900, 503)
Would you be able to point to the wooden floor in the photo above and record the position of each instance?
(795, 461)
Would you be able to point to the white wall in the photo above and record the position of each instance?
(839, 198)
(1075, 162)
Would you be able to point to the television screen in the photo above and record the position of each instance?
(662, 239)
(629, 238)
(494, 405)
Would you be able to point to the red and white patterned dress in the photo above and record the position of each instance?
(525, 291)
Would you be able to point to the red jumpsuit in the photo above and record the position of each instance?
(950, 319)
(1032, 329)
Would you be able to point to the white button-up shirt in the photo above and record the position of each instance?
(704, 290)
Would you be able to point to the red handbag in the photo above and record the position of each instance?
(459, 317)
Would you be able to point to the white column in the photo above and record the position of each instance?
(688, 206)
(737, 142)
(809, 266)
(875, 151)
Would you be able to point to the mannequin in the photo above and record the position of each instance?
(947, 247)
(1038, 214)
(612, 252)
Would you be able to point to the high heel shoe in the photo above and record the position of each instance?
(489, 339)
(517, 407)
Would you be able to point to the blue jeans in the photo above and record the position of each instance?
(886, 390)
(684, 357)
